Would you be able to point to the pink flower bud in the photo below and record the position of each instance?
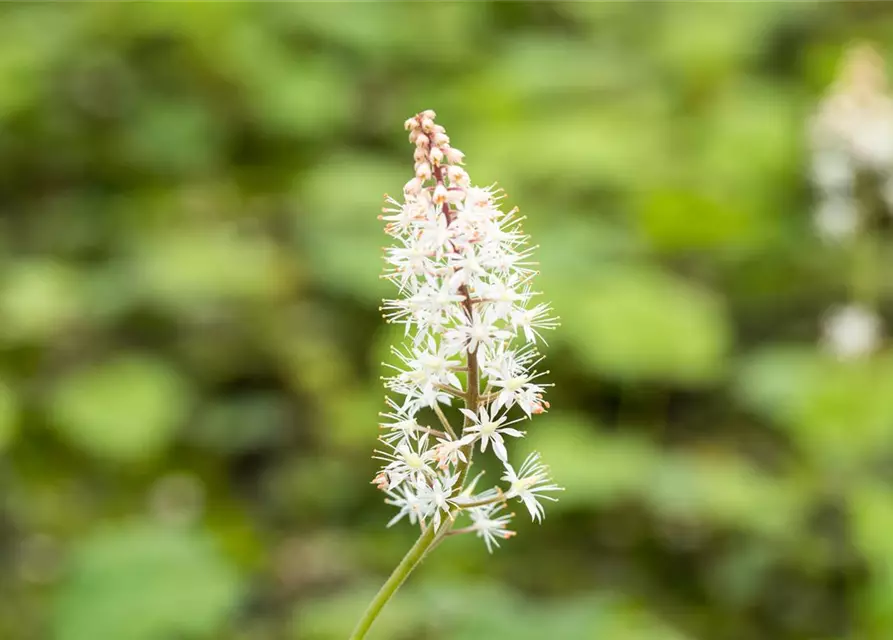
(413, 187)
(436, 155)
(410, 124)
(458, 176)
(427, 125)
(423, 171)
(454, 156)
(440, 194)
(421, 141)
(428, 113)
(441, 139)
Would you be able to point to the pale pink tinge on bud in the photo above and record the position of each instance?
(458, 176)
(454, 156)
(420, 155)
(427, 125)
(410, 124)
(421, 141)
(440, 194)
(381, 481)
(428, 113)
(436, 155)
(423, 171)
(441, 139)
(413, 187)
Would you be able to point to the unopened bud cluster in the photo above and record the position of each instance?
(463, 272)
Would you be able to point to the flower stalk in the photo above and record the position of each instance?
(464, 276)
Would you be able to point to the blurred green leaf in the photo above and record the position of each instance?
(9, 415)
(141, 582)
(127, 408)
(39, 299)
(839, 412)
(340, 230)
(594, 467)
(641, 324)
(448, 611)
(193, 267)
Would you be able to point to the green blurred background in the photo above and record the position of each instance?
(189, 261)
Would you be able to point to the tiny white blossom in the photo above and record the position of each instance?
(408, 503)
(490, 526)
(486, 426)
(531, 321)
(400, 425)
(407, 460)
(529, 484)
(449, 451)
(434, 496)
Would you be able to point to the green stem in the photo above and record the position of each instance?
(430, 536)
(407, 564)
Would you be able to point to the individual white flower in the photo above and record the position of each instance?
(503, 295)
(529, 484)
(466, 266)
(449, 451)
(434, 496)
(424, 373)
(400, 425)
(490, 526)
(517, 387)
(533, 320)
(407, 501)
(852, 331)
(487, 426)
(478, 332)
(407, 460)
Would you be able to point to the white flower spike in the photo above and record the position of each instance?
(471, 325)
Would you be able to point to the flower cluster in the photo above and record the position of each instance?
(852, 143)
(852, 156)
(463, 271)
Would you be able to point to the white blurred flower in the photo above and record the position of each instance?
(851, 134)
(852, 331)
(836, 219)
(832, 171)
